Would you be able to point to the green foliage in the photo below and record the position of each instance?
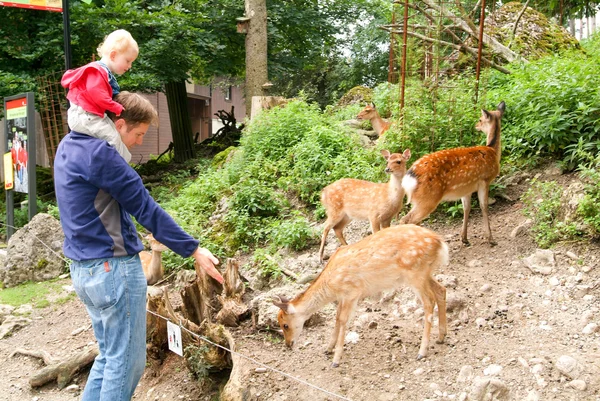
(197, 362)
(542, 205)
(266, 264)
(293, 232)
(552, 106)
(589, 206)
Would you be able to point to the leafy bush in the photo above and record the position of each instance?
(293, 232)
(552, 106)
(266, 264)
(542, 205)
(589, 207)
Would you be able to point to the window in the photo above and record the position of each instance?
(228, 93)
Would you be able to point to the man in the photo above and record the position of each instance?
(96, 192)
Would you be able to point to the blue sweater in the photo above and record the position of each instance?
(96, 191)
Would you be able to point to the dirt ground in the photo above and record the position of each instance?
(510, 329)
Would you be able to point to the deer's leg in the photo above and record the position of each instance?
(375, 224)
(483, 194)
(339, 228)
(345, 311)
(419, 212)
(466, 202)
(428, 300)
(328, 225)
(440, 299)
(336, 331)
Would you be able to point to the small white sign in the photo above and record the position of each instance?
(174, 333)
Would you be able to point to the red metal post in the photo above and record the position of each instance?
(479, 49)
(391, 75)
(404, 45)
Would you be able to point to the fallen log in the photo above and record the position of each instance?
(62, 372)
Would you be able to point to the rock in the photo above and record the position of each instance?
(553, 170)
(34, 252)
(419, 371)
(466, 374)
(523, 362)
(307, 278)
(24, 309)
(537, 369)
(568, 366)
(587, 316)
(373, 325)
(542, 261)
(485, 288)
(586, 269)
(260, 370)
(474, 263)
(73, 388)
(572, 255)
(521, 228)
(11, 323)
(577, 385)
(446, 281)
(488, 389)
(553, 281)
(5, 310)
(532, 395)
(351, 337)
(590, 328)
(454, 302)
(480, 322)
(493, 370)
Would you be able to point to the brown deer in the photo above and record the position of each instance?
(370, 113)
(455, 174)
(351, 199)
(403, 254)
(152, 261)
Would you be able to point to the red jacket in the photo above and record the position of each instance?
(89, 88)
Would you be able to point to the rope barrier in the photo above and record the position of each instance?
(205, 339)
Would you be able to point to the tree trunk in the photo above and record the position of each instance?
(233, 308)
(256, 50)
(181, 125)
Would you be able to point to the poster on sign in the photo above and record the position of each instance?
(17, 136)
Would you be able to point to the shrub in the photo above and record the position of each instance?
(293, 232)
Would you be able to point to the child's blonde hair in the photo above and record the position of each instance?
(119, 40)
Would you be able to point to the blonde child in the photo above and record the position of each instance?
(93, 86)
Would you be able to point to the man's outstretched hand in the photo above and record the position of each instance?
(206, 260)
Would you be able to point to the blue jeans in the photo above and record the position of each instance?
(114, 293)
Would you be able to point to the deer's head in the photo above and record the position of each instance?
(290, 322)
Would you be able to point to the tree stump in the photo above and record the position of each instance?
(233, 309)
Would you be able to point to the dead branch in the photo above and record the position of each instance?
(62, 372)
(233, 308)
(514, 32)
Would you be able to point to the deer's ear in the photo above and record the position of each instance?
(283, 304)
(406, 155)
(485, 114)
(385, 154)
(373, 105)
(501, 107)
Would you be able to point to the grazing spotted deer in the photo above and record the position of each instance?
(403, 254)
(351, 199)
(152, 261)
(370, 113)
(455, 174)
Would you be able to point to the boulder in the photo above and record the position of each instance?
(34, 252)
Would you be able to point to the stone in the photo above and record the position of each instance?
(480, 322)
(577, 385)
(532, 395)
(568, 366)
(447, 281)
(466, 374)
(572, 255)
(454, 302)
(11, 323)
(485, 288)
(521, 229)
(34, 252)
(493, 370)
(351, 337)
(73, 388)
(542, 261)
(486, 388)
(590, 328)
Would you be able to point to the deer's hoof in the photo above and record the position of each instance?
(441, 341)
(492, 242)
(419, 357)
(335, 365)
(466, 242)
(328, 352)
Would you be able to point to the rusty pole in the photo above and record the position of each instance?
(391, 75)
(404, 45)
(479, 50)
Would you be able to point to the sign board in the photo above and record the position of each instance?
(8, 171)
(48, 5)
(174, 333)
(20, 145)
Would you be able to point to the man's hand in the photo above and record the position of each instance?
(206, 260)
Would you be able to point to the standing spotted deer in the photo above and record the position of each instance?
(455, 174)
(152, 261)
(386, 260)
(370, 113)
(351, 199)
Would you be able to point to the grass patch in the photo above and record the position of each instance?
(36, 294)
